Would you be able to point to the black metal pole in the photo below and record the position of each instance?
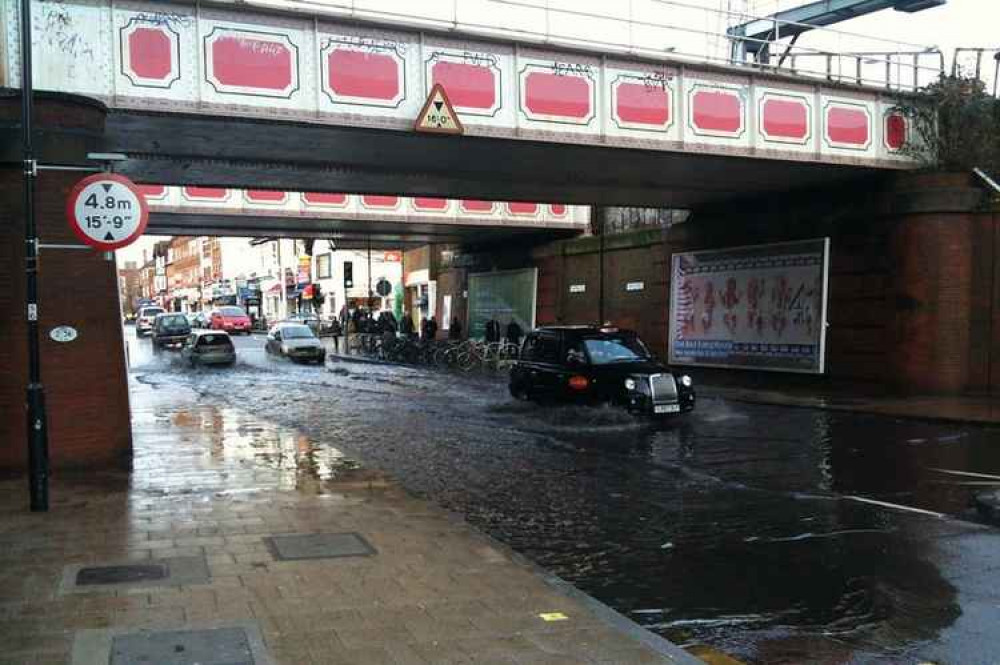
(371, 296)
(598, 211)
(38, 443)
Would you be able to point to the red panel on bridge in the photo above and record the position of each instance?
(424, 203)
(641, 104)
(248, 62)
(206, 193)
(316, 198)
(380, 201)
(150, 53)
(468, 86)
(847, 125)
(895, 131)
(363, 75)
(717, 111)
(561, 96)
(265, 196)
(786, 118)
(558, 209)
(518, 208)
(475, 205)
(152, 191)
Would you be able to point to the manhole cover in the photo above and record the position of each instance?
(121, 574)
(172, 571)
(318, 546)
(221, 646)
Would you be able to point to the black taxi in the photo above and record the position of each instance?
(592, 364)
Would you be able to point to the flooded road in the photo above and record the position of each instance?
(750, 528)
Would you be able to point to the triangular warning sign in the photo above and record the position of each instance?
(438, 115)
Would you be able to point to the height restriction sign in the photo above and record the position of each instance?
(107, 211)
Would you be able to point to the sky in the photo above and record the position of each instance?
(960, 23)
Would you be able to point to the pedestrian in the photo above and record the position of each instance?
(406, 326)
(423, 328)
(335, 332)
(455, 329)
(352, 333)
(492, 331)
(432, 328)
(514, 333)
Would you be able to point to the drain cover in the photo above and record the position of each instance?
(121, 574)
(318, 546)
(221, 646)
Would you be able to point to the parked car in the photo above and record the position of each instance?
(231, 319)
(306, 319)
(197, 319)
(170, 330)
(295, 341)
(591, 364)
(144, 322)
(209, 347)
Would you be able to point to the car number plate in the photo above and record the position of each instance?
(667, 408)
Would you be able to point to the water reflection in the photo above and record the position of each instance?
(726, 527)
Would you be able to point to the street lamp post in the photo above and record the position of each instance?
(38, 443)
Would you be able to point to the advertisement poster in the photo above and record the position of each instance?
(759, 307)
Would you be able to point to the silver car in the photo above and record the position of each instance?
(209, 347)
(296, 341)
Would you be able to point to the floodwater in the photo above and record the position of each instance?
(750, 528)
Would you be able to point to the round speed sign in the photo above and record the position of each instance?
(107, 211)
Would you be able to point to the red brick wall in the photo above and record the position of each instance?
(85, 380)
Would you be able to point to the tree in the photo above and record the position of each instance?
(956, 125)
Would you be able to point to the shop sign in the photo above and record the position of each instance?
(305, 269)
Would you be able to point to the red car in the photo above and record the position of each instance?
(230, 319)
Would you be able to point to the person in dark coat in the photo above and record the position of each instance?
(492, 331)
(514, 332)
(406, 325)
(424, 323)
(455, 329)
(432, 328)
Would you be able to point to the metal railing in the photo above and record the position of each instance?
(980, 63)
(657, 29)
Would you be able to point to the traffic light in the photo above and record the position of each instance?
(348, 274)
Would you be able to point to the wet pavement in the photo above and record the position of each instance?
(779, 535)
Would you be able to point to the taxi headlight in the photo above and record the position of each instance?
(686, 381)
(630, 384)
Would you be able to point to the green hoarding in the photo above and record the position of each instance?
(502, 296)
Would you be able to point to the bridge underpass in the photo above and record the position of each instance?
(358, 221)
(205, 96)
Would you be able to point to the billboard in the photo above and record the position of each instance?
(759, 307)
